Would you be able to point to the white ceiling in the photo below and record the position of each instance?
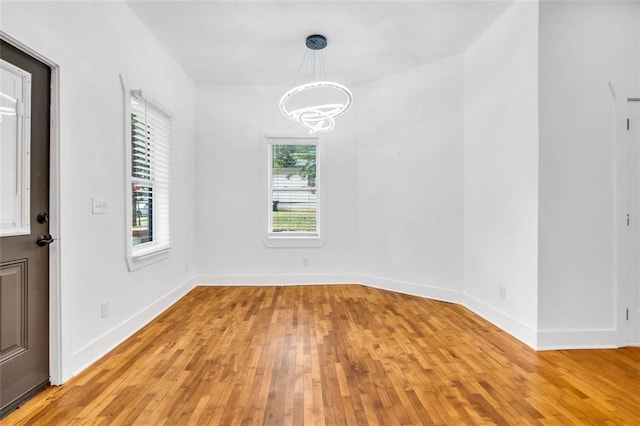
(262, 42)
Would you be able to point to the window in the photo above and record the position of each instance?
(149, 179)
(294, 196)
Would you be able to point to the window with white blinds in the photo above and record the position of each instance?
(293, 188)
(150, 177)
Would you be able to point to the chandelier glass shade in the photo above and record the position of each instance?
(315, 104)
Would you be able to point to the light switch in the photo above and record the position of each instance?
(98, 205)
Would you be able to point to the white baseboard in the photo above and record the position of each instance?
(410, 288)
(539, 340)
(502, 320)
(100, 346)
(275, 279)
(577, 339)
(405, 287)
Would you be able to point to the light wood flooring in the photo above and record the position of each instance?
(343, 355)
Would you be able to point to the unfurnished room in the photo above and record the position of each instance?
(339, 212)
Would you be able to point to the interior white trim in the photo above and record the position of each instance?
(275, 279)
(101, 345)
(56, 347)
(577, 339)
(502, 320)
(411, 288)
(536, 339)
(624, 189)
(405, 287)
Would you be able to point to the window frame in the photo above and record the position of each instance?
(141, 255)
(292, 239)
(19, 222)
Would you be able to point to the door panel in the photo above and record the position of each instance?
(13, 309)
(24, 266)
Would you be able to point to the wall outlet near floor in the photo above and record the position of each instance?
(503, 292)
(305, 261)
(104, 309)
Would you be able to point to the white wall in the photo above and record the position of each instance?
(431, 185)
(92, 43)
(410, 180)
(501, 172)
(231, 170)
(583, 45)
(393, 192)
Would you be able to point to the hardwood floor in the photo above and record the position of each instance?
(345, 355)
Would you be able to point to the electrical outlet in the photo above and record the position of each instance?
(305, 261)
(503, 292)
(104, 309)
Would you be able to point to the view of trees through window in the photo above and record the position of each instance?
(294, 188)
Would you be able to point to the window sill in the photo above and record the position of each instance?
(293, 241)
(142, 258)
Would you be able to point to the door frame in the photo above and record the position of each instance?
(626, 191)
(633, 289)
(56, 348)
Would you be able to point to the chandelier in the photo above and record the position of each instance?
(315, 103)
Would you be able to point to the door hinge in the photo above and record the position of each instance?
(627, 219)
(627, 314)
(627, 124)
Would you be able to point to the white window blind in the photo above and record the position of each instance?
(151, 130)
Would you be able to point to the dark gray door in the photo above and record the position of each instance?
(24, 245)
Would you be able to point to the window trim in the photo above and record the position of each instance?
(292, 239)
(147, 253)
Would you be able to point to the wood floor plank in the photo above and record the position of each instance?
(336, 355)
